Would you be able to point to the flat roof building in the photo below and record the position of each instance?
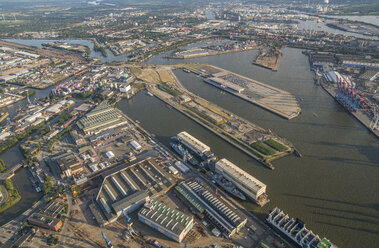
(171, 222)
(47, 216)
(192, 143)
(129, 188)
(45, 221)
(102, 117)
(220, 213)
(243, 180)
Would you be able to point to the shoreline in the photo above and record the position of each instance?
(209, 54)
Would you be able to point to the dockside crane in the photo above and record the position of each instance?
(128, 220)
(107, 241)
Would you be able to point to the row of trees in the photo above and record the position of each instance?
(16, 138)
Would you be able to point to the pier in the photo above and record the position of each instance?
(268, 58)
(212, 117)
(265, 96)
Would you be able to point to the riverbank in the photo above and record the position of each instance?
(13, 195)
(207, 53)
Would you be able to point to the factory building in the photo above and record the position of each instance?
(193, 144)
(172, 223)
(102, 117)
(47, 216)
(220, 213)
(69, 164)
(129, 188)
(248, 184)
(45, 221)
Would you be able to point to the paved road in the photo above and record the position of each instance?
(8, 230)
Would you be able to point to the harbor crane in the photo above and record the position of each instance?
(107, 241)
(128, 220)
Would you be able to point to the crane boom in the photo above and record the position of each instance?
(107, 241)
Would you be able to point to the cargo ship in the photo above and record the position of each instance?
(227, 185)
(184, 154)
(295, 231)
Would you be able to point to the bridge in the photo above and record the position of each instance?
(10, 172)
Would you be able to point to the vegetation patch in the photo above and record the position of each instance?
(3, 168)
(30, 91)
(147, 75)
(262, 148)
(165, 76)
(276, 145)
(13, 195)
(169, 89)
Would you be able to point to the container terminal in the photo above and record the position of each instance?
(295, 230)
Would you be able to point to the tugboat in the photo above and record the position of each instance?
(226, 185)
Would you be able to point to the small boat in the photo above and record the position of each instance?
(149, 93)
(315, 114)
(137, 121)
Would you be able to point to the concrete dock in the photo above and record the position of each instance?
(273, 99)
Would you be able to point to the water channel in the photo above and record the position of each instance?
(333, 188)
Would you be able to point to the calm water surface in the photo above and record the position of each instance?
(333, 188)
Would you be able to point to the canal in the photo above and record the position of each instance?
(333, 188)
(14, 156)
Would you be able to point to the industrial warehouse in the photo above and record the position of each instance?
(128, 189)
(220, 213)
(195, 145)
(102, 117)
(172, 223)
(248, 184)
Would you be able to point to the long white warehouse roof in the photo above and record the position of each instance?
(239, 175)
(195, 143)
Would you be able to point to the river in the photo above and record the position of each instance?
(371, 19)
(321, 26)
(88, 43)
(333, 188)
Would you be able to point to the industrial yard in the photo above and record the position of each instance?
(268, 57)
